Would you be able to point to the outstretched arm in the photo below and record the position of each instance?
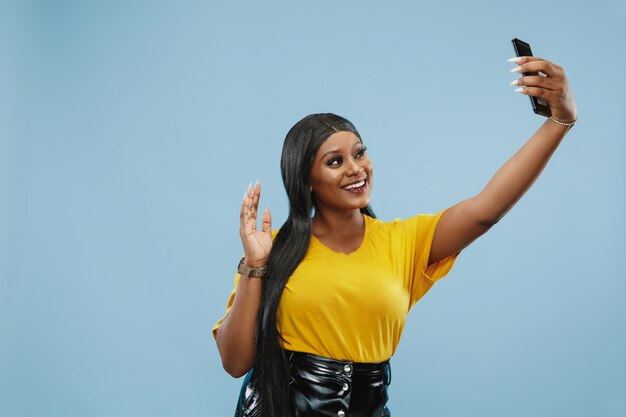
(464, 222)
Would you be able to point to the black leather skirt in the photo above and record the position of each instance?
(324, 387)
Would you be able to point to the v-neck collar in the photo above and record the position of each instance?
(366, 233)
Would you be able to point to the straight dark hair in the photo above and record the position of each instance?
(271, 369)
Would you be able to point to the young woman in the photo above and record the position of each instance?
(319, 306)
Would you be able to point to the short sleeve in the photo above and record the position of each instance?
(228, 306)
(419, 234)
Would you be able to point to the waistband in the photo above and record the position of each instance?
(339, 367)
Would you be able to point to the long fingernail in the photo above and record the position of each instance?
(244, 196)
(516, 69)
(516, 59)
(515, 82)
(519, 90)
(257, 182)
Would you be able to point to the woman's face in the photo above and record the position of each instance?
(342, 174)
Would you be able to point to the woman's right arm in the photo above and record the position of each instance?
(236, 334)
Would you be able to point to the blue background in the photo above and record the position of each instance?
(129, 131)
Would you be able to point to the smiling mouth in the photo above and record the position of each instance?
(354, 186)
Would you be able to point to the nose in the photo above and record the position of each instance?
(353, 167)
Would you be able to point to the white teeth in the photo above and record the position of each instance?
(357, 185)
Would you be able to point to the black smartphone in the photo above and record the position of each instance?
(539, 106)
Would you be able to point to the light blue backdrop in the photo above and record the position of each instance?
(130, 129)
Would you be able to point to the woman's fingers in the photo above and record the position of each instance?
(256, 195)
(249, 209)
(534, 64)
(543, 93)
(266, 222)
(550, 84)
(536, 81)
(247, 216)
(256, 243)
(561, 104)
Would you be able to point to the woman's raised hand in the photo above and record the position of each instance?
(551, 87)
(257, 244)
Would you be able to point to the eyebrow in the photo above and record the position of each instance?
(338, 150)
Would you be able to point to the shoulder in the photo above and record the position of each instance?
(397, 223)
(419, 224)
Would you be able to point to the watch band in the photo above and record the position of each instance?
(250, 272)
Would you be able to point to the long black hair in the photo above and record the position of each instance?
(290, 245)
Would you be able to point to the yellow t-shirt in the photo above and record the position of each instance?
(354, 306)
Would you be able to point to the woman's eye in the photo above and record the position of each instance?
(360, 154)
(334, 161)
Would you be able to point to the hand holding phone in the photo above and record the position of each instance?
(539, 106)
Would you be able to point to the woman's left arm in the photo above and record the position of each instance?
(464, 222)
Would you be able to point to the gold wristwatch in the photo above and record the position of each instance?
(251, 272)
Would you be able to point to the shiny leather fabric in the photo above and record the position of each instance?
(248, 404)
(323, 387)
